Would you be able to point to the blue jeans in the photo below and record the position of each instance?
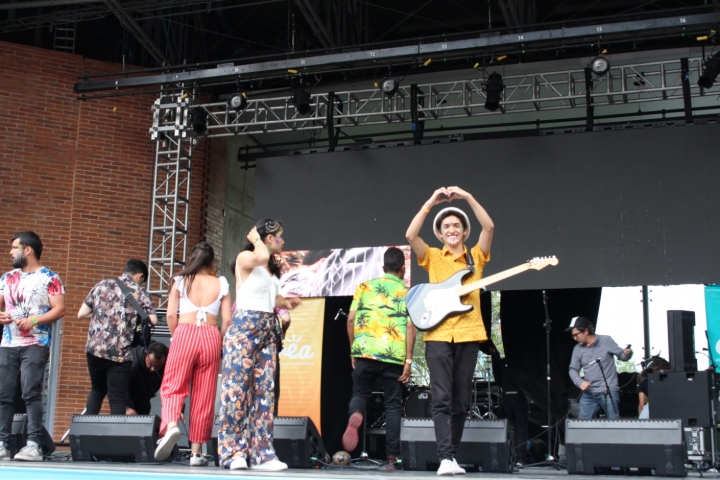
(591, 403)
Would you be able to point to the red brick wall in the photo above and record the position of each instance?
(80, 175)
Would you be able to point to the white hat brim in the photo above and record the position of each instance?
(456, 211)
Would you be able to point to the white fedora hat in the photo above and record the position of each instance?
(457, 212)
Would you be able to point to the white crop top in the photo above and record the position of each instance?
(258, 292)
(186, 306)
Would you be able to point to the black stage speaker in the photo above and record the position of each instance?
(18, 436)
(625, 447)
(486, 445)
(683, 395)
(297, 441)
(114, 438)
(681, 339)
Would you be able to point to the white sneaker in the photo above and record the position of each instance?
(271, 466)
(238, 464)
(457, 469)
(198, 461)
(446, 467)
(29, 453)
(4, 454)
(166, 444)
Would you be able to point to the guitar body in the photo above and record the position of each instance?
(428, 304)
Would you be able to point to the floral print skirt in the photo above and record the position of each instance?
(248, 389)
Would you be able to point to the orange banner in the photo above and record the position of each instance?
(301, 362)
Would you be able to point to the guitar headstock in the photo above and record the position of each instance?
(538, 263)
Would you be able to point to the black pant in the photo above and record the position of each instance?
(30, 363)
(516, 410)
(364, 375)
(451, 368)
(107, 378)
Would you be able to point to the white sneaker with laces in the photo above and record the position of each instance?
(4, 454)
(166, 444)
(198, 461)
(457, 469)
(446, 467)
(29, 453)
(271, 466)
(238, 464)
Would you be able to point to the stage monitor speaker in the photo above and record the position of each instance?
(114, 438)
(683, 395)
(18, 436)
(681, 340)
(486, 445)
(625, 447)
(297, 441)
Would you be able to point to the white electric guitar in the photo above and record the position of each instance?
(428, 304)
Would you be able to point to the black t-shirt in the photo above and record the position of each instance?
(144, 384)
(643, 387)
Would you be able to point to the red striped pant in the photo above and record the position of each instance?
(194, 357)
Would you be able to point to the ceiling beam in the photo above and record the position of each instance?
(316, 24)
(412, 53)
(137, 31)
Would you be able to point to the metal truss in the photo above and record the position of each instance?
(171, 192)
(535, 92)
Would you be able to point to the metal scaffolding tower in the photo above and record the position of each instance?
(171, 192)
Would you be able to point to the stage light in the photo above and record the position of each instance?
(493, 91)
(599, 66)
(198, 120)
(301, 100)
(710, 72)
(389, 86)
(237, 101)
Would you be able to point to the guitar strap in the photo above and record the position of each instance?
(470, 262)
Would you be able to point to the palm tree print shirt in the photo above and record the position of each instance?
(380, 320)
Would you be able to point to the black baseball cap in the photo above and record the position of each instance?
(581, 323)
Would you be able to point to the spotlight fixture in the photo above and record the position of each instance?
(237, 101)
(599, 66)
(301, 100)
(198, 120)
(389, 86)
(710, 72)
(493, 91)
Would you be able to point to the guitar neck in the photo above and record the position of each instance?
(465, 289)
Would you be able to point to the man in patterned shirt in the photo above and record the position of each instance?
(381, 346)
(451, 348)
(32, 298)
(110, 336)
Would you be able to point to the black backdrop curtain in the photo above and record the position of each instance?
(522, 317)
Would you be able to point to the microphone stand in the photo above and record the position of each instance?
(549, 458)
(606, 393)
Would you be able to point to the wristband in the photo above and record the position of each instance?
(256, 240)
(34, 321)
(425, 209)
(409, 361)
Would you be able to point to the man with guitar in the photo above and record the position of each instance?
(451, 348)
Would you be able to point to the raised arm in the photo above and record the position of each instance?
(488, 227)
(256, 258)
(418, 245)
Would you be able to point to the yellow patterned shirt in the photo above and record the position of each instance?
(441, 265)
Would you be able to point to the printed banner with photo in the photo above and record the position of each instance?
(335, 272)
(301, 362)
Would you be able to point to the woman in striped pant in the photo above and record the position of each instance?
(249, 355)
(195, 299)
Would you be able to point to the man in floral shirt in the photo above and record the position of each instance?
(110, 336)
(381, 345)
(32, 298)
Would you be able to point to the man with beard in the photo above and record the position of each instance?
(32, 298)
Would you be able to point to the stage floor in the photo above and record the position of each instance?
(66, 470)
